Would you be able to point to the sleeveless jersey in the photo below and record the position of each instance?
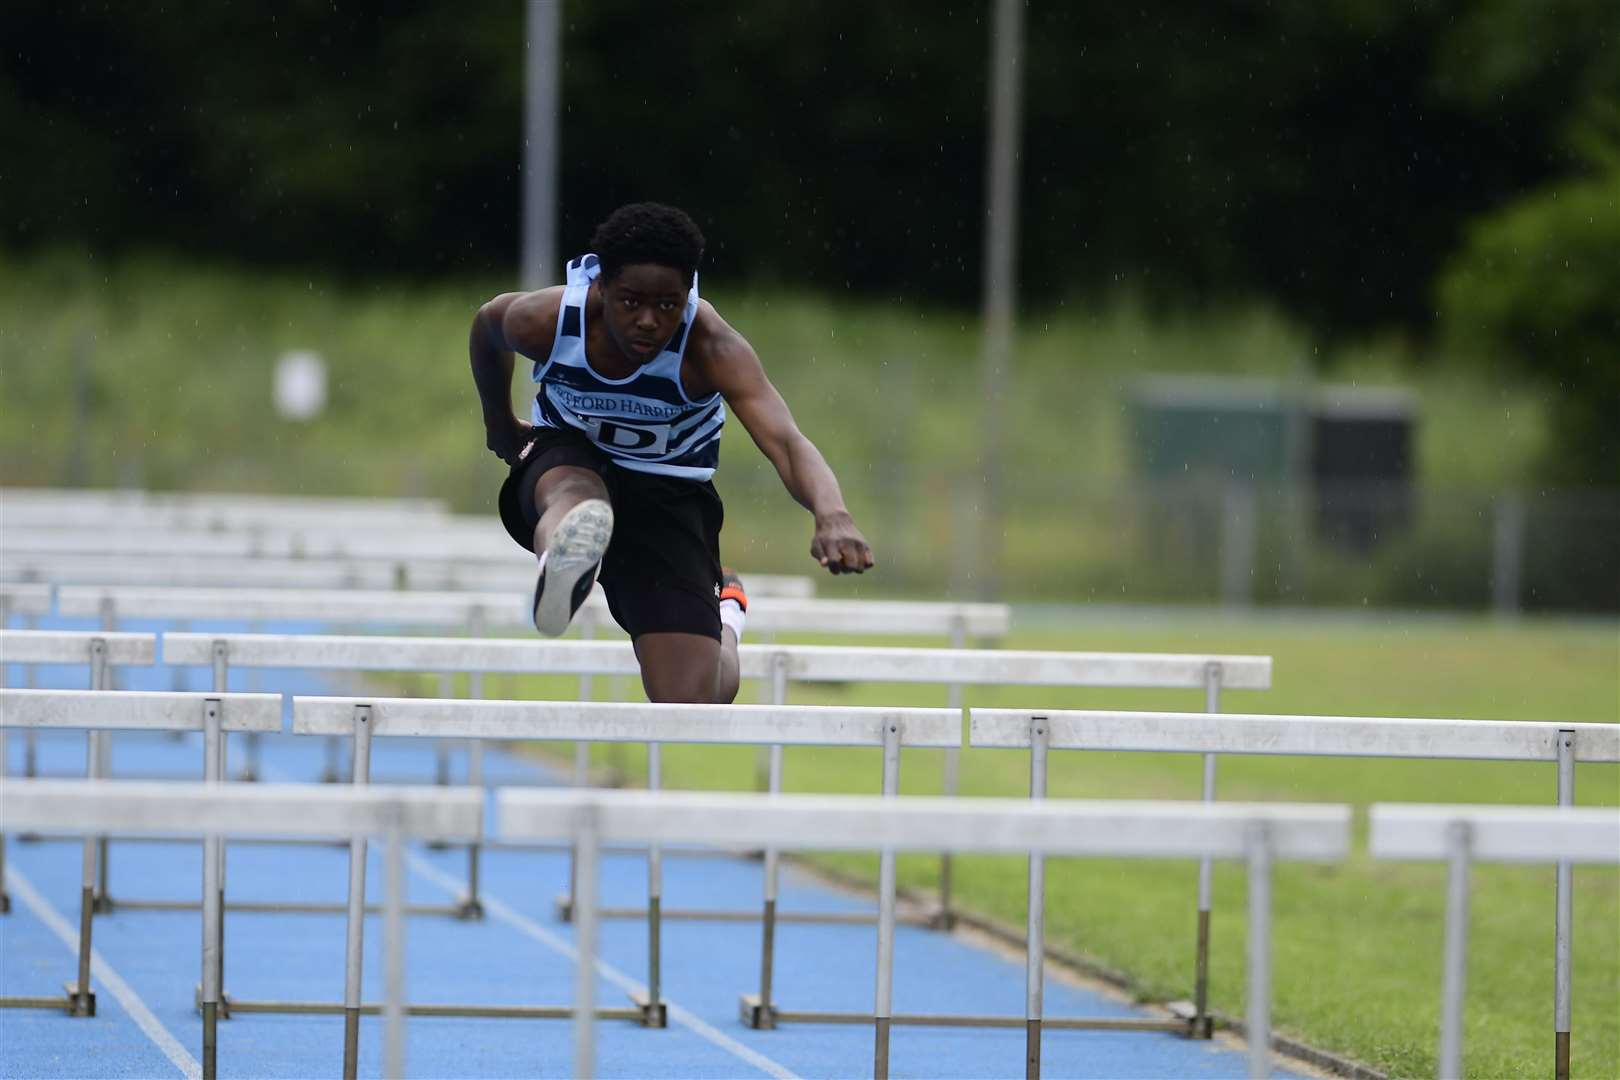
(643, 422)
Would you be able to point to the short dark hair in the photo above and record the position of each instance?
(648, 233)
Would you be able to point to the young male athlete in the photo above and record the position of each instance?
(635, 375)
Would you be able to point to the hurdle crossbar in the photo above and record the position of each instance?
(28, 598)
(1330, 736)
(216, 569)
(504, 609)
(1257, 834)
(1463, 835)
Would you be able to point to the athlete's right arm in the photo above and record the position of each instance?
(511, 323)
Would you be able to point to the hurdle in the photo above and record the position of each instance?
(29, 599)
(213, 810)
(1308, 736)
(1256, 834)
(481, 612)
(216, 568)
(1463, 835)
(365, 719)
(89, 507)
(99, 711)
(780, 664)
(99, 653)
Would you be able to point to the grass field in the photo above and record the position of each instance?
(156, 373)
(1357, 945)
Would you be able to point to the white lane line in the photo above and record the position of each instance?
(611, 974)
(103, 973)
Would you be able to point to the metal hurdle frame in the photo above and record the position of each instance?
(1463, 835)
(232, 562)
(487, 611)
(99, 652)
(777, 664)
(213, 810)
(29, 601)
(99, 711)
(1315, 736)
(365, 719)
(1258, 834)
(208, 511)
(960, 667)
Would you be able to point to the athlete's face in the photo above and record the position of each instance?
(642, 307)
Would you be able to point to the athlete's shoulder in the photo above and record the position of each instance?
(712, 336)
(525, 321)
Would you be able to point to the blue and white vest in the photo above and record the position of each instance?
(644, 422)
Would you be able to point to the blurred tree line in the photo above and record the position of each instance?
(1444, 168)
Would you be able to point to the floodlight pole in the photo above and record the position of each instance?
(541, 93)
(1000, 280)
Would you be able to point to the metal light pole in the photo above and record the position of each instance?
(1000, 279)
(543, 78)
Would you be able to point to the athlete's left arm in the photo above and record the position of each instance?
(726, 363)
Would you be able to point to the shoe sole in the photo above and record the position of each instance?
(572, 558)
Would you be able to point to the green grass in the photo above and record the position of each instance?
(173, 363)
(1357, 946)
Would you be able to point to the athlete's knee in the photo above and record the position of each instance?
(567, 484)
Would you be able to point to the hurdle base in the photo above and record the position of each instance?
(248, 776)
(1198, 1027)
(468, 909)
(102, 904)
(755, 1015)
(968, 1020)
(563, 908)
(79, 1004)
(827, 918)
(652, 1016)
(63, 1003)
(5, 903)
(499, 1012)
(290, 907)
(941, 919)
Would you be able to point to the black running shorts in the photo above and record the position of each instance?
(661, 572)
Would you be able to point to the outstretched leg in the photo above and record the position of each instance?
(572, 533)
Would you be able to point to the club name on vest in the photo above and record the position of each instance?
(633, 425)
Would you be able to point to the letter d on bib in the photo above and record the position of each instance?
(633, 439)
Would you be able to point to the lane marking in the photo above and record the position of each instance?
(103, 973)
(612, 974)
